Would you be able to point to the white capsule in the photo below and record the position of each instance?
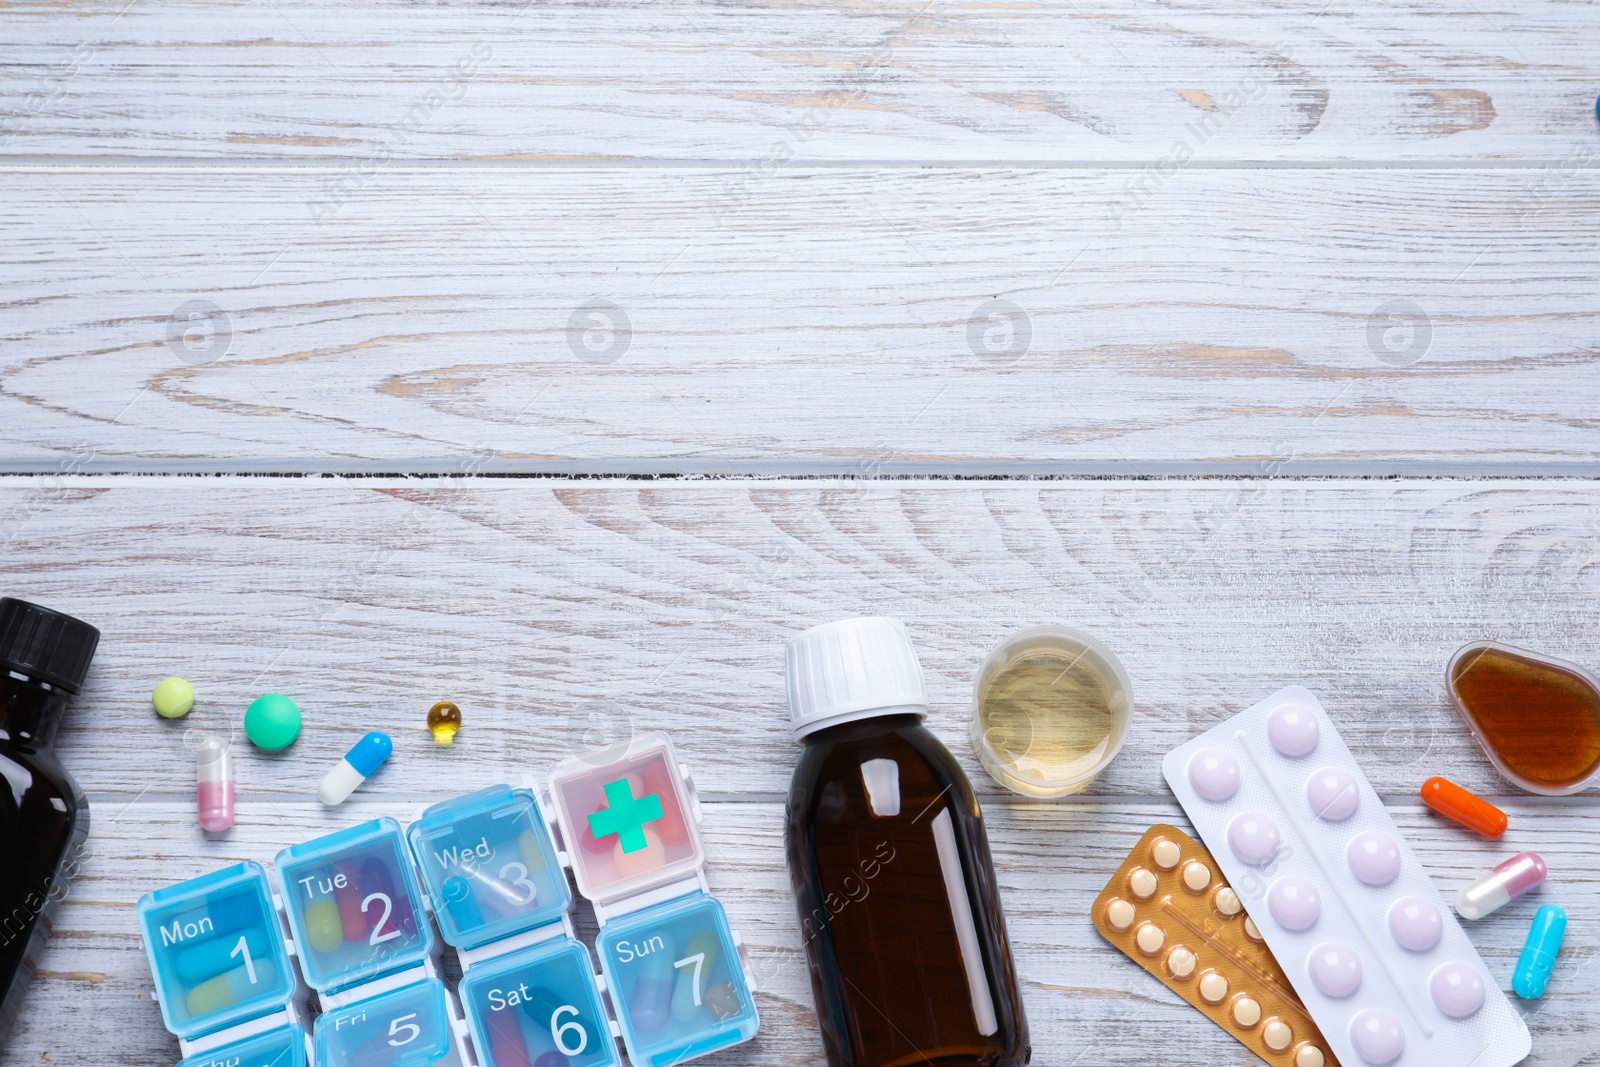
(364, 758)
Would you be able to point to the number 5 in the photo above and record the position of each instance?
(395, 1027)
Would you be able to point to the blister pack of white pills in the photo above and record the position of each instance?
(1372, 949)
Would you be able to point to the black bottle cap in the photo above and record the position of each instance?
(45, 645)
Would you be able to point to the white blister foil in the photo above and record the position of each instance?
(1372, 949)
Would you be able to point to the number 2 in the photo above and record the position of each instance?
(697, 959)
(388, 908)
(249, 964)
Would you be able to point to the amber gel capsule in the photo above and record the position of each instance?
(889, 861)
(1468, 809)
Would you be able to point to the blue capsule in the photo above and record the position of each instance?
(360, 763)
(1539, 952)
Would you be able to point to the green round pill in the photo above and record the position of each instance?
(272, 722)
(173, 697)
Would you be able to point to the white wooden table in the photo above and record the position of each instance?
(1258, 340)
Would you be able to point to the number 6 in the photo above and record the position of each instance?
(558, 1031)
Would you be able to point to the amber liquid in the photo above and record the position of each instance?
(891, 983)
(43, 821)
(1543, 722)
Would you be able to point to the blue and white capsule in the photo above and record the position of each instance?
(1539, 953)
(364, 758)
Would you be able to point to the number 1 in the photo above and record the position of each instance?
(249, 964)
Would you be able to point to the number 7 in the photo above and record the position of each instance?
(697, 959)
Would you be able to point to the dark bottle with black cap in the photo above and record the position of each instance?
(44, 656)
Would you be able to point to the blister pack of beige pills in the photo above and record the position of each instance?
(1168, 909)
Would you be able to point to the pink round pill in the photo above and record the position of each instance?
(1374, 857)
(1334, 794)
(1214, 774)
(1295, 903)
(1293, 730)
(1377, 1035)
(1457, 990)
(1335, 969)
(1254, 838)
(1415, 923)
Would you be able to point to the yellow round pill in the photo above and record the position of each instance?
(1277, 1035)
(1251, 930)
(1246, 1012)
(1180, 962)
(1150, 938)
(173, 697)
(1142, 884)
(1119, 913)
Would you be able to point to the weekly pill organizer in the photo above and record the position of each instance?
(353, 909)
(1372, 949)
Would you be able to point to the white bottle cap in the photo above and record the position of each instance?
(853, 669)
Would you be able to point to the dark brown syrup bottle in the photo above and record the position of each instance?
(890, 865)
(44, 656)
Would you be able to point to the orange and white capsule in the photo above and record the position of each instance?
(1468, 809)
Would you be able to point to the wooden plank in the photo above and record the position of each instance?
(810, 321)
(1051, 859)
(564, 614)
(1058, 80)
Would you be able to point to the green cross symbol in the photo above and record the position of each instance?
(625, 816)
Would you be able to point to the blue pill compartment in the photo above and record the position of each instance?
(354, 906)
(284, 1046)
(537, 1006)
(489, 865)
(216, 950)
(676, 981)
(406, 1027)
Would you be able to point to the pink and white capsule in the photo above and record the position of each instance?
(1501, 886)
(214, 788)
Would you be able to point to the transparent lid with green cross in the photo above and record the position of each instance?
(627, 817)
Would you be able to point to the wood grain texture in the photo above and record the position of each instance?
(815, 320)
(561, 614)
(1058, 80)
(1052, 859)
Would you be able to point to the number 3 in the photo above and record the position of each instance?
(517, 875)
